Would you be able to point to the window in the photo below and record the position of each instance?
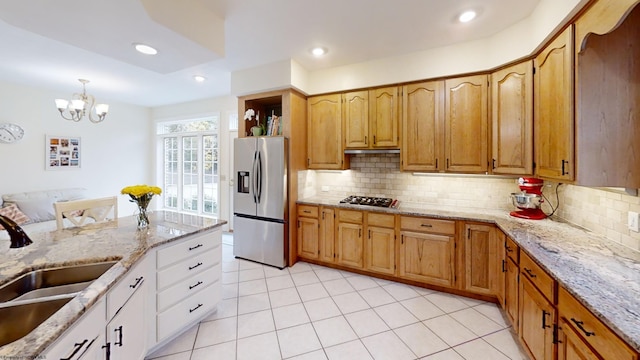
(190, 165)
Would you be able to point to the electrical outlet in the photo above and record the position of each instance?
(633, 221)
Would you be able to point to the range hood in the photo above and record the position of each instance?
(372, 151)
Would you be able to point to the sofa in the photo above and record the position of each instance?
(34, 211)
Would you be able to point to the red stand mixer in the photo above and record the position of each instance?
(529, 200)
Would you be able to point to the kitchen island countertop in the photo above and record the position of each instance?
(116, 240)
(602, 274)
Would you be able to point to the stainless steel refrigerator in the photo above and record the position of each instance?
(260, 199)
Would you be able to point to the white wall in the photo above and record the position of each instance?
(114, 154)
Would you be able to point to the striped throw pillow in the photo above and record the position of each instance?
(12, 212)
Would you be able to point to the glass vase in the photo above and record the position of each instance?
(142, 217)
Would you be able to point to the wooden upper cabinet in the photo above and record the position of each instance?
(371, 118)
(466, 124)
(422, 126)
(325, 132)
(553, 109)
(384, 110)
(356, 119)
(608, 90)
(512, 120)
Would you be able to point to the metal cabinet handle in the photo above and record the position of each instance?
(107, 348)
(563, 164)
(544, 319)
(195, 247)
(426, 225)
(138, 281)
(76, 348)
(195, 266)
(508, 248)
(504, 268)
(580, 326)
(195, 308)
(196, 284)
(119, 331)
(529, 272)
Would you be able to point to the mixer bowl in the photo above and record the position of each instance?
(526, 201)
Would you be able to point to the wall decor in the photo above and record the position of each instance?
(10, 133)
(62, 152)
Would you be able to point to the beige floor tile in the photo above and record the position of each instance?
(334, 331)
(221, 351)
(298, 340)
(348, 351)
(263, 347)
(387, 346)
(366, 323)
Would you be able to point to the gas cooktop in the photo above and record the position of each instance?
(369, 200)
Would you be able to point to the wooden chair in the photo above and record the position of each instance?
(78, 212)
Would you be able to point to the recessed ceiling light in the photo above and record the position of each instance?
(318, 51)
(145, 49)
(199, 78)
(467, 16)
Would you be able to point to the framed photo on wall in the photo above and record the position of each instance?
(62, 152)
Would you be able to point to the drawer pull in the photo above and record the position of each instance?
(529, 272)
(306, 211)
(504, 268)
(544, 319)
(195, 266)
(107, 348)
(195, 247)
(580, 326)
(119, 331)
(195, 308)
(426, 225)
(77, 348)
(509, 249)
(138, 281)
(192, 286)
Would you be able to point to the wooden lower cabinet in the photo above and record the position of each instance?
(511, 291)
(428, 258)
(380, 255)
(327, 236)
(536, 322)
(482, 266)
(308, 229)
(571, 346)
(350, 240)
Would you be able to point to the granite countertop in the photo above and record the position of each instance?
(604, 275)
(117, 240)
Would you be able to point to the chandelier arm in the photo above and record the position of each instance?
(72, 116)
(77, 113)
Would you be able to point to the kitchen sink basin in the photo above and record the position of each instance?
(18, 320)
(58, 281)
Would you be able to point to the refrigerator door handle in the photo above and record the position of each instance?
(259, 176)
(254, 177)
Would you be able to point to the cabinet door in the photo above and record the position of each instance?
(427, 258)
(512, 120)
(350, 245)
(126, 332)
(571, 346)
(325, 132)
(536, 322)
(422, 126)
(466, 124)
(553, 109)
(500, 264)
(356, 119)
(511, 292)
(384, 113)
(308, 244)
(480, 259)
(327, 235)
(97, 349)
(380, 250)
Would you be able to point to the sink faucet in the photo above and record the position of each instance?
(18, 237)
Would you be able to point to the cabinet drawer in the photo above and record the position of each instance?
(512, 249)
(125, 287)
(190, 267)
(188, 248)
(188, 311)
(592, 330)
(543, 281)
(308, 211)
(188, 287)
(428, 225)
(381, 220)
(350, 216)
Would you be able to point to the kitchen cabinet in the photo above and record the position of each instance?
(325, 132)
(327, 236)
(427, 250)
(537, 313)
(308, 231)
(126, 332)
(501, 267)
(371, 118)
(380, 255)
(466, 124)
(583, 336)
(512, 120)
(553, 109)
(350, 241)
(606, 74)
(422, 126)
(482, 267)
(512, 280)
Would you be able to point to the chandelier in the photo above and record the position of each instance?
(80, 105)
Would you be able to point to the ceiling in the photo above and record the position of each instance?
(51, 44)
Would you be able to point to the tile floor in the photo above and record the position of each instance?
(313, 312)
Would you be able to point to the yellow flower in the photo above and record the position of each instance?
(139, 190)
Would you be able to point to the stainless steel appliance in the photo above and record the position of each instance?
(260, 199)
(371, 201)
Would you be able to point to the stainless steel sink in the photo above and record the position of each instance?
(32, 298)
(52, 282)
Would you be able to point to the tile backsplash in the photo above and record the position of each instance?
(601, 211)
